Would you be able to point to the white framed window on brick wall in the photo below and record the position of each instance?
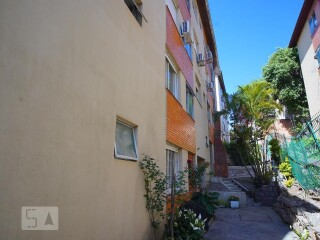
(189, 101)
(172, 80)
(126, 141)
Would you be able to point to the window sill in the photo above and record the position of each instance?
(126, 159)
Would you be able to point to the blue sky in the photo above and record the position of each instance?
(248, 32)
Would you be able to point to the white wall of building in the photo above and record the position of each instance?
(310, 70)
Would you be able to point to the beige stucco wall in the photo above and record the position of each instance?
(200, 107)
(310, 72)
(67, 69)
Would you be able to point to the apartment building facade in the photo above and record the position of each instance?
(82, 98)
(192, 60)
(87, 88)
(306, 37)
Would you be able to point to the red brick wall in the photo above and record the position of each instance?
(211, 132)
(184, 9)
(220, 154)
(180, 126)
(176, 48)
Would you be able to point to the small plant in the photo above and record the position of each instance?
(155, 186)
(233, 198)
(223, 203)
(199, 210)
(288, 183)
(188, 225)
(285, 168)
(302, 236)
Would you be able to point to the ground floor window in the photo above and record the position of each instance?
(125, 142)
(173, 163)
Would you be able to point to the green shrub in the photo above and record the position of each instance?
(155, 186)
(224, 203)
(288, 183)
(199, 210)
(188, 226)
(209, 200)
(285, 168)
(275, 150)
(267, 177)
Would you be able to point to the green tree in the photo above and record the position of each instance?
(251, 111)
(283, 71)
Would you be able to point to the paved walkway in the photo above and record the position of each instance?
(249, 223)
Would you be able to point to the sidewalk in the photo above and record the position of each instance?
(249, 223)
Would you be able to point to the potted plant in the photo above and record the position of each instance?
(234, 201)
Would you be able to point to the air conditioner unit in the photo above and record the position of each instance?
(200, 60)
(209, 57)
(185, 32)
(210, 87)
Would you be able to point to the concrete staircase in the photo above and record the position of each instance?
(233, 186)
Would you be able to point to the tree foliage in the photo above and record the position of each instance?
(155, 186)
(275, 150)
(283, 71)
(251, 111)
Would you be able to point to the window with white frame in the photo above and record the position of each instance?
(313, 23)
(172, 165)
(188, 48)
(172, 80)
(125, 142)
(189, 101)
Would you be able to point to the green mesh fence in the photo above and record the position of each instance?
(304, 154)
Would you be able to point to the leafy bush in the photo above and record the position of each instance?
(285, 168)
(155, 186)
(199, 210)
(288, 183)
(188, 225)
(209, 200)
(275, 150)
(224, 203)
(267, 177)
(264, 178)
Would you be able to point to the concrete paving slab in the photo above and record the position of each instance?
(249, 223)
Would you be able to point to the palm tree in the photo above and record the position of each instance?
(252, 109)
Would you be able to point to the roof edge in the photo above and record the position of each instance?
(306, 7)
